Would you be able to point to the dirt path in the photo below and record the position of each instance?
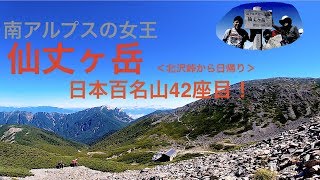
(79, 173)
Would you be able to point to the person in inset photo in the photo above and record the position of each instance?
(267, 34)
(289, 32)
(272, 39)
(236, 36)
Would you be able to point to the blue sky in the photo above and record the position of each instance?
(186, 34)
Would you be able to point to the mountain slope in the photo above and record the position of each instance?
(84, 126)
(88, 125)
(24, 148)
(268, 101)
(37, 138)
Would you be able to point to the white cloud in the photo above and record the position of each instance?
(124, 104)
(135, 116)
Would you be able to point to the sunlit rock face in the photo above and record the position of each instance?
(260, 26)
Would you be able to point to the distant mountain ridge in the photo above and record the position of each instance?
(36, 109)
(85, 126)
(134, 112)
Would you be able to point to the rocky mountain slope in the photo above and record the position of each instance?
(271, 154)
(268, 104)
(267, 157)
(85, 126)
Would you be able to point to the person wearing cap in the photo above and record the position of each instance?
(289, 32)
(236, 36)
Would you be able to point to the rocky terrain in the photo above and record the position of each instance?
(267, 106)
(9, 135)
(272, 153)
(283, 98)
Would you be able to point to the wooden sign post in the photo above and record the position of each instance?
(257, 19)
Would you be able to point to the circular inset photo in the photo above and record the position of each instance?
(260, 26)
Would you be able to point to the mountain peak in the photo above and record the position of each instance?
(84, 126)
(107, 107)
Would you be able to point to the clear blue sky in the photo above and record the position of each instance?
(186, 35)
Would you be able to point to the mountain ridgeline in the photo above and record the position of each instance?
(268, 101)
(270, 107)
(85, 126)
(37, 138)
(274, 100)
(40, 109)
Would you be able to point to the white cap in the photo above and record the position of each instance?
(284, 17)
